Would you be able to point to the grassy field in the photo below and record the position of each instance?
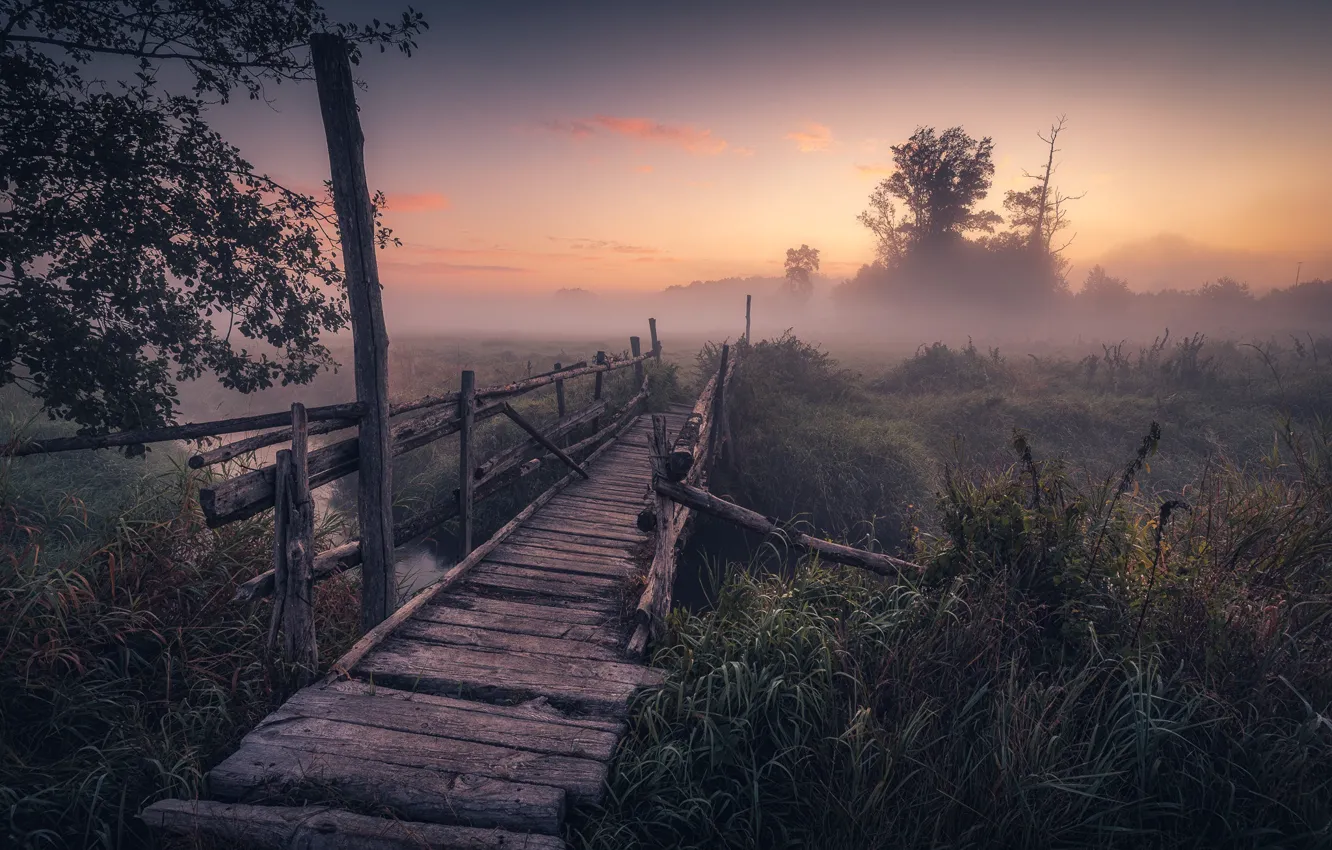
(1118, 638)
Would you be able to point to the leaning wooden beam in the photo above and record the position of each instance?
(339, 559)
(349, 414)
(701, 500)
(287, 827)
(246, 495)
(656, 598)
(536, 434)
(526, 384)
(372, 638)
(515, 454)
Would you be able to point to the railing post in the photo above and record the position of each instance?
(466, 479)
(298, 629)
(749, 299)
(596, 389)
(559, 393)
(718, 403)
(656, 346)
(635, 347)
(329, 54)
(281, 519)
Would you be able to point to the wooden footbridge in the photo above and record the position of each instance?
(483, 709)
(477, 714)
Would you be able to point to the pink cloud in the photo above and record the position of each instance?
(644, 169)
(813, 139)
(742, 151)
(687, 137)
(414, 202)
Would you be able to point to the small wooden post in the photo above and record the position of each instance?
(559, 393)
(636, 348)
(329, 54)
(466, 479)
(749, 299)
(596, 390)
(281, 519)
(298, 628)
(718, 404)
(656, 346)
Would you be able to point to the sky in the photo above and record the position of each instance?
(632, 146)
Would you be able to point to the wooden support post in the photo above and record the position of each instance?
(718, 404)
(749, 299)
(466, 477)
(293, 554)
(281, 517)
(559, 393)
(636, 348)
(330, 56)
(596, 389)
(656, 345)
(298, 627)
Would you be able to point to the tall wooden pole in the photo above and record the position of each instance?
(656, 346)
(298, 628)
(466, 478)
(559, 394)
(636, 348)
(596, 390)
(749, 300)
(356, 225)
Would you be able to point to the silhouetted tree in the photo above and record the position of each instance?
(1038, 214)
(136, 245)
(939, 180)
(801, 263)
(1102, 289)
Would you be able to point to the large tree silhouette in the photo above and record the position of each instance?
(939, 179)
(138, 247)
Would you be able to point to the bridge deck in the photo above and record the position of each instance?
(495, 706)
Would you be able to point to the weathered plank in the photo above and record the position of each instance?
(602, 635)
(588, 529)
(577, 543)
(476, 722)
(256, 772)
(594, 686)
(322, 828)
(588, 583)
(545, 585)
(502, 641)
(560, 610)
(581, 778)
(535, 709)
(563, 563)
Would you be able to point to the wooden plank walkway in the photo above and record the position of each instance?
(480, 719)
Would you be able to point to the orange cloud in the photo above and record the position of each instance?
(812, 139)
(644, 169)
(580, 244)
(875, 170)
(684, 136)
(415, 202)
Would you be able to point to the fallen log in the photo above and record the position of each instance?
(701, 500)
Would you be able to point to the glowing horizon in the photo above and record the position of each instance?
(634, 150)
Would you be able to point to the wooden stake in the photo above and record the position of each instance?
(356, 225)
(466, 475)
(298, 628)
(718, 404)
(656, 346)
(281, 518)
(596, 390)
(559, 394)
(636, 348)
(749, 299)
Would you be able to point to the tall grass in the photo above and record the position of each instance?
(1088, 659)
(126, 669)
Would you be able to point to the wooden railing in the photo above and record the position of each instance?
(286, 486)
